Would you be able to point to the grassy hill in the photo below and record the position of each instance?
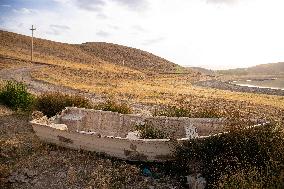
(130, 57)
(16, 45)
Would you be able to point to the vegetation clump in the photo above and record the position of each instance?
(113, 106)
(224, 159)
(15, 96)
(172, 111)
(148, 131)
(184, 111)
(52, 103)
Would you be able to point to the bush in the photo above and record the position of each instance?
(52, 103)
(16, 96)
(180, 111)
(147, 131)
(172, 111)
(261, 148)
(113, 106)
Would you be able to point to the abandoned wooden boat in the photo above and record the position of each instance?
(114, 134)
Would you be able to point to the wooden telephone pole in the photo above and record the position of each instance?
(32, 48)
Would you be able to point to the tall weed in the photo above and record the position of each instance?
(16, 96)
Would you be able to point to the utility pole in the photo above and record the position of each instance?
(32, 48)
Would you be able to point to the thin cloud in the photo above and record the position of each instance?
(98, 5)
(136, 4)
(90, 5)
(3, 29)
(138, 28)
(61, 27)
(102, 16)
(24, 11)
(103, 34)
(7, 6)
(114, 27)
(228, 2)
(153, 41)
(57, 29)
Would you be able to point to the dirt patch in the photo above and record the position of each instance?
(5, 111)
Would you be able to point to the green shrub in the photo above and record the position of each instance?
(16, 96)
(113, 106)
(52, 103)
(147, 131)
(182, 111)
(261, 147)
(172, 111)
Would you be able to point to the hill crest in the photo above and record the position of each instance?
(18, 46)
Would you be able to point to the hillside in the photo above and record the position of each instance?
(16, 45)
(262, 69)
(131, 57)
(269, 69)
(204, 71)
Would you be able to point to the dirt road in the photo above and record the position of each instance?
(23, 74)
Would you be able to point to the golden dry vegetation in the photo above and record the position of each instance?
(97, 68)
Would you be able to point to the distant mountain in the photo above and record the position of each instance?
(262, 69)
(18, 46)
(204, 71)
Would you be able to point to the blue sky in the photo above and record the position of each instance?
(214, 34)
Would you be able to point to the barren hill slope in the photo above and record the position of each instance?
(130, 57)
(18, 46)
(273, 68)
(261, 69)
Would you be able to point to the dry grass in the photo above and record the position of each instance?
(155, 90)
(16, 45)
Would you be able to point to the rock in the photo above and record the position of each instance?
(29, 173)
(52, 153)
(71, 175)
(22, 178)
(133, 135)
(37, 115)
(61, 174)
(34, 181)
(196, 181)
(11, 179)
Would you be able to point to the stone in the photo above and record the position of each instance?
(133, 135)
(196, 181)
